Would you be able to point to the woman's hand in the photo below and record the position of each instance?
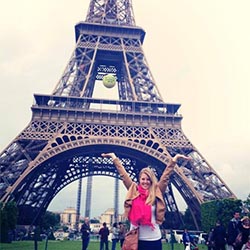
(111, 155)
(180, 156)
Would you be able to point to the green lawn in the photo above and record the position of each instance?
(72, 245)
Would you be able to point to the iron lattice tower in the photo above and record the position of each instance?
(70, 128)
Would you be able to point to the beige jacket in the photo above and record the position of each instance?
(133, 192)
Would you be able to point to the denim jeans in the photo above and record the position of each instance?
(85, 243)
(102, 243)
(114, 241)
(150, 245)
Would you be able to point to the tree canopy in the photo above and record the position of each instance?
(222, 210)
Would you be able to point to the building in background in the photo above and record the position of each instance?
(109, 217)
(68, 217)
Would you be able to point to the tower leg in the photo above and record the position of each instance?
(78, 204)
(88, 196)
(116, 200)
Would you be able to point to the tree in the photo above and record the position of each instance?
(49, 222)
(172, 220)
(8, 215)
(188, 220)
(222, 210)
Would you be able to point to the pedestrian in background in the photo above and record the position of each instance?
(187, 240)
(233, 230)
(115, 235)
(244, 231)
(104, 233)
(122, 232)
(219, 236)
(85, 231)
(210, 240)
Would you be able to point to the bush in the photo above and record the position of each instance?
(8, 215)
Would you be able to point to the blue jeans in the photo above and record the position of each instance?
(149, 245)
(102, 243)
(85, 243)
(114, 241)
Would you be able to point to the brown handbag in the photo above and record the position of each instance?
(131, 240)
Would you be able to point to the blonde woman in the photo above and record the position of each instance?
(144, 204)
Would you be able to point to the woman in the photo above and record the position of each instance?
(122, 233)
(244, 229)
(115, 235)
(246, 246)
(144, 204)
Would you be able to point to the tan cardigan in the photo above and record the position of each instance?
(133, 192)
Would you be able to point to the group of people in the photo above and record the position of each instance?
(236, 237)
(118, 234)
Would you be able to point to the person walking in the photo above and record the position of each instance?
(210, 240)
(186, 240)
(219, 236)
(144, 204)
(122, 232)
(115, 235)
(244, 232)
(104, 233)
(85, 231)
(233, 230)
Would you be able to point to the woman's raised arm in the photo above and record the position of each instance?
(127, 181)
(163, 182)
(178, 156)
(111, 155)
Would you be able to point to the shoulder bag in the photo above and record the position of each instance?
(131, 240)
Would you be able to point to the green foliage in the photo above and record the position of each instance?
(49, 220)
(172, 220)
(188, 220)
(222, 210)
(94, 220)
(208, 215)
(8, 215)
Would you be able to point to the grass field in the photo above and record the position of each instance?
(72, 245)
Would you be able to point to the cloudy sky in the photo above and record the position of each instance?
(197, 50)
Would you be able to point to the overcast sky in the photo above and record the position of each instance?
(197, 50)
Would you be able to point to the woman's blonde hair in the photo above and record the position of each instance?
(151, 196)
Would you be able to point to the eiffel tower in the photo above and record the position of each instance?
(70, 128)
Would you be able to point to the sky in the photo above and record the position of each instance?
(198, 52)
